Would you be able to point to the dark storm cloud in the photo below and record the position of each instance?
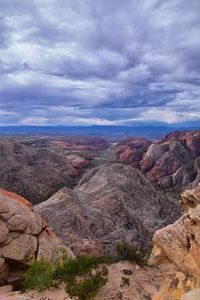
(115, 62)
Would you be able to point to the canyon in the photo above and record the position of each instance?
(172, 271)
(83, 196)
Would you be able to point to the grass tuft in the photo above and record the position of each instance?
(124, 281)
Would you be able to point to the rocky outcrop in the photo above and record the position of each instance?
(111, 203)
(78, 162)
(24, 235)
(172, 161)
(33, 173)
(179, 243)
(131, 150)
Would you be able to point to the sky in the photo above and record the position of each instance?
(102, 62)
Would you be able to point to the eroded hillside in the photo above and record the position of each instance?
(111, 203)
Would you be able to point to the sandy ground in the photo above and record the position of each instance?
(143, 283)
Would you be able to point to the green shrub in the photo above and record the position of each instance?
(83, 275)
(124, 281)
(42, 275)
(87, 288)
(80, 266)
(39, 276)
(139, 255)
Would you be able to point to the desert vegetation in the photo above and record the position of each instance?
(84, 275)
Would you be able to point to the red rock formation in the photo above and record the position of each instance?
(81, 143)
(172, 161)
(78, 162)
(131, 150)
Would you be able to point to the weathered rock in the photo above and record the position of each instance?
(172, 161)
(153, 154)
(83, 246)
(111, 203)
(4, 269)
(50, 246)
(131, 150)
(192, 295)
(180, 242)
(77, 161)
(190, 198)
(4, 232)
(23, 249)
(32, 173)
(30, 223)
(24, 235)
(6, 289)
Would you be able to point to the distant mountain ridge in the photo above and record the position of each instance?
(149, 131)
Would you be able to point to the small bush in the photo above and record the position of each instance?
(86, 289)
(42, 275)
(39, 276)
(135, 254)
(124, 281)
(83, 275)
(80, 266)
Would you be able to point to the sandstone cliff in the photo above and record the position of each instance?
(179, 244)
(24, 235)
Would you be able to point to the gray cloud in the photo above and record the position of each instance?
(110, 63)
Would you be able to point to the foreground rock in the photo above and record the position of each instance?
(173, 272)
(33, 173)
(143, 284)
(111, 203)
(179, 244)
(24, 235)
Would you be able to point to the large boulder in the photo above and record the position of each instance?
(24, 235)
(111, 203)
